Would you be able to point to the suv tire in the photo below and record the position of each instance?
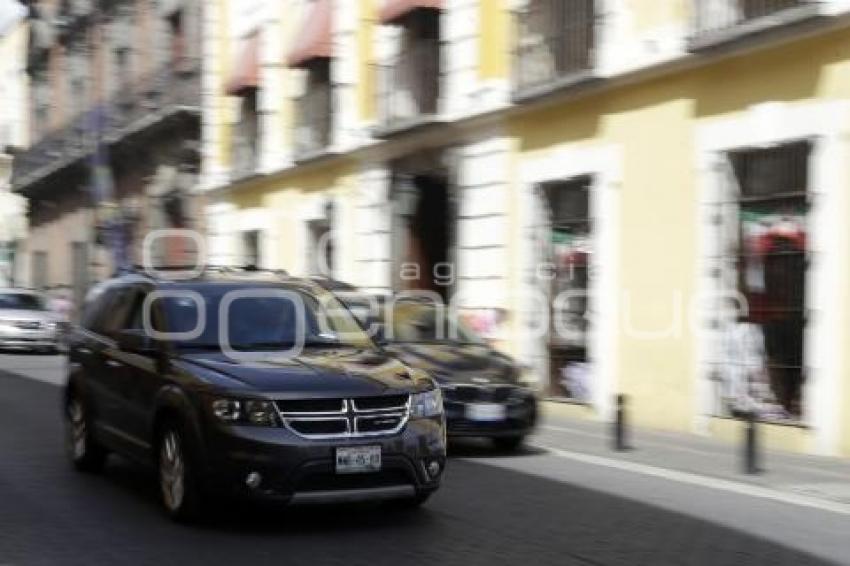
(178, 484)
(85, 453)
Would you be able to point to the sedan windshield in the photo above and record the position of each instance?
(413, 322)
(22, 302)
(262, 320)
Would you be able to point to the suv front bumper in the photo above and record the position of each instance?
(299, 470)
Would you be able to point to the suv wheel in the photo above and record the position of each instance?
(176, 475)
(85, 453)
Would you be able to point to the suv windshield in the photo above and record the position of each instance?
(22, 302)
(259, 323)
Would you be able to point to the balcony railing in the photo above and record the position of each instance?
(136, 108)
(555, 44)
(410, 86)
(314, 122)
(718, 21)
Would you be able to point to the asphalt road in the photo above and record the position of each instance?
(492, 510)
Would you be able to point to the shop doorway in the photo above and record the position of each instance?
(568, 251)
(424, 223)
(764, 261)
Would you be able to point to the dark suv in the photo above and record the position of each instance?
(252, 385)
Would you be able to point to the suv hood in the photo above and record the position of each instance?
(325, 372)
(456, 362)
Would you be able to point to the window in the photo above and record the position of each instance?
(95, 308)
(321, 250)
(313, 132)
(764, 260)
(267, 323)
(251, 249)
(410, 81)
(39, 270)
(115, 306)
(135, 320)
(426, 323)
(21, 302)
(569, 254)
(245, 144)
(555, 40)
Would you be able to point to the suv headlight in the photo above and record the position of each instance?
(426, 404)
(250, 412)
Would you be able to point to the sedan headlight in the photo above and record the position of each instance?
(250, 412)
(426, 404)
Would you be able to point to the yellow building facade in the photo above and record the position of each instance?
(603, 180)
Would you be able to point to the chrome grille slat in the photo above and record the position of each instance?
(397, 414)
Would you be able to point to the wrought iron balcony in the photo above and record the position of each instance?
(134, 110)
(721, 21)
(314, 122)
(409, 90)
(555, 45)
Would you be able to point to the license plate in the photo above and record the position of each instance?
(488, 412)
(358, 459)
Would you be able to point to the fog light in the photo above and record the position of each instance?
(253, 480)
(434, 469)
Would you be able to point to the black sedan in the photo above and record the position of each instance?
(482, 392)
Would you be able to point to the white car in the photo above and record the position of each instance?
(27, 323)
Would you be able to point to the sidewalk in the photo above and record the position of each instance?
(659, 453)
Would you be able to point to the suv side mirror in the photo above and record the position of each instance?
(137, 342)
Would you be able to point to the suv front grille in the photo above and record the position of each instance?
(321, 427)
(345, 418)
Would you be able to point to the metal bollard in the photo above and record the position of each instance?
(751, 464)
(620, 443)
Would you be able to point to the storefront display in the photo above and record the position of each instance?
(762, 369)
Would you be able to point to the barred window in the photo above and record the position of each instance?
(762, 368)
(568, 204)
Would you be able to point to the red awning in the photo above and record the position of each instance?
(393, 10)
(315, 39)
(245, 75)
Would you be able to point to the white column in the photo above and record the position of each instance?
(482, 230)
(372, 229)
(344, 75)
(459, 25)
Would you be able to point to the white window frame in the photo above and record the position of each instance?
(603, 165)
(762, 126)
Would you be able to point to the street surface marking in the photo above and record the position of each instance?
(702, 481)
(706, 452)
